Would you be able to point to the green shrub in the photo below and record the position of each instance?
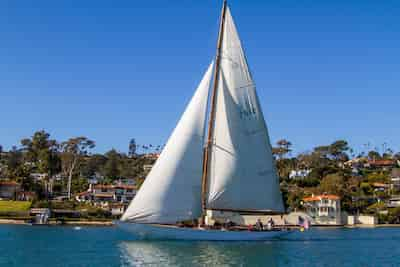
(10, 206)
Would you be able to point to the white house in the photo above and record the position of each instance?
(393, 202)
(121, 193)
(395, 178)
(147, 167)
(324, 209)
(354, 220)
(299, 174)
(38, 176)
(117, 209)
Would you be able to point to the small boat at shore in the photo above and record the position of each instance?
(225, 165)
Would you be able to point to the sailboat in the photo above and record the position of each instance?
(225, 165)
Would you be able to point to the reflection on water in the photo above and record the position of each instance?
(30, 246)
(319, 247)
(175, 253)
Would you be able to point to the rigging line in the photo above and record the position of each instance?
(224, 149)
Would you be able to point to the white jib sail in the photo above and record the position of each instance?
(172, 190)
(242, 171)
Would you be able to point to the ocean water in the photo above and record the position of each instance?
(108, 246)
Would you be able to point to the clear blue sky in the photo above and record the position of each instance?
(113, 70)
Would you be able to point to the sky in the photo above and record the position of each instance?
(116, 70)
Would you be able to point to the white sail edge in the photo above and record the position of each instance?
(172, 190)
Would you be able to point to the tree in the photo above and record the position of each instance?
(366, 188)
(394, 215)
(333, 184)
(128, 167)
(318, 162)
(112, 166)
(294, 199)
(1, 160)
(42, 152)
(132, 148)
(285, 166)
(14, 162)
(322, 151)
(308, 182)
(374, 155)
(282, 149)
(388, 154)
(94, 164)
(338, 150)
(378, 177)
(73, 152)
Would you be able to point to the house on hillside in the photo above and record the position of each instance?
(96, 178)
(9, 189)
(324, 209)
(128, 181)
(119, 193)
(384, 164)
(58, 177)
(152, 156)
(299, 174)
(356, 164)
(395, 178)
(38, 176)
(3, 168)
(147, 167)
(393, 202)
(125, 193)
(117, 209)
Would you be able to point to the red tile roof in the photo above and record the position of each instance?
(85, 193)
(9, 183)
(382, 162)
(320, 197)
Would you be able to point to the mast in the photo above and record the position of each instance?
(211, 122)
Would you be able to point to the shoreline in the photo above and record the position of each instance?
(111, 224)
(56, 223)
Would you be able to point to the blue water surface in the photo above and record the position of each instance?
(108, 246)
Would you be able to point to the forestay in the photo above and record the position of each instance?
(172, 190)
(242, 171)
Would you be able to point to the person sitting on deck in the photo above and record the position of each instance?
(300, 220)
(259, 226)
(270, 224)
(227, 225)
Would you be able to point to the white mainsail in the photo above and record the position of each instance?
(172, 190)
(242, 172)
